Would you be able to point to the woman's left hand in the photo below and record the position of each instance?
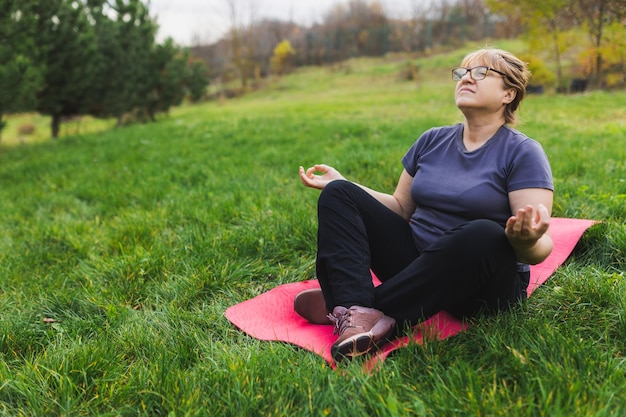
(527, 226)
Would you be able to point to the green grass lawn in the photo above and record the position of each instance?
(121, 249)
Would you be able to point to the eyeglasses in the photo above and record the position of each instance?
(477, 73)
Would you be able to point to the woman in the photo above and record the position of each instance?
(470, 212)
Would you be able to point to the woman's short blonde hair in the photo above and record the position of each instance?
(516, 70)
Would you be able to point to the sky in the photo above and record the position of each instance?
(191, 22)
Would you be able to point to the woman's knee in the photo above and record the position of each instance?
(336, 189)
(481, 235)
(484, 228)
(491, 238)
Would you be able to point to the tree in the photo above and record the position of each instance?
(164, 85)
(197, 79)
(125, 37)
(240, 37)
(66, 53)
(597, 16)
(614, 50)
(543, 19)
(19, 77)
(407, 31)
(135, 75)
(357, 28)
(282, 57)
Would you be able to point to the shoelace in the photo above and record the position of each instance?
(341, 323)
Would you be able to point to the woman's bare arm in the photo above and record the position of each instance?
(318, 176)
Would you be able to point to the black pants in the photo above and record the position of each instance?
(467, 269)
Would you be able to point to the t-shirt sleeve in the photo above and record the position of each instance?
(411, 158)
(530, 168)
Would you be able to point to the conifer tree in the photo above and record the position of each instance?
(19, 77)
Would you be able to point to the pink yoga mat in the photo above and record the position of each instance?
(270, 315)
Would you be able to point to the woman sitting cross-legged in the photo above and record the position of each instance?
(470, 212)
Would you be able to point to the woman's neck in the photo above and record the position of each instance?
(477, 132)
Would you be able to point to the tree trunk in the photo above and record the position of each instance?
(557, 58)
(598, 39)
(56, 125)
(2, 125)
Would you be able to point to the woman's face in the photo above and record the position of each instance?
(485, 95)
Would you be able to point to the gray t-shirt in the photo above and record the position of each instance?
(452, 186)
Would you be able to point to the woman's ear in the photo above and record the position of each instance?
(509, 95)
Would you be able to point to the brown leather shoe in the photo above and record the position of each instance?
(360, 330)
(310, 304)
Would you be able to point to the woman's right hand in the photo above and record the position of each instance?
(312, 179)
